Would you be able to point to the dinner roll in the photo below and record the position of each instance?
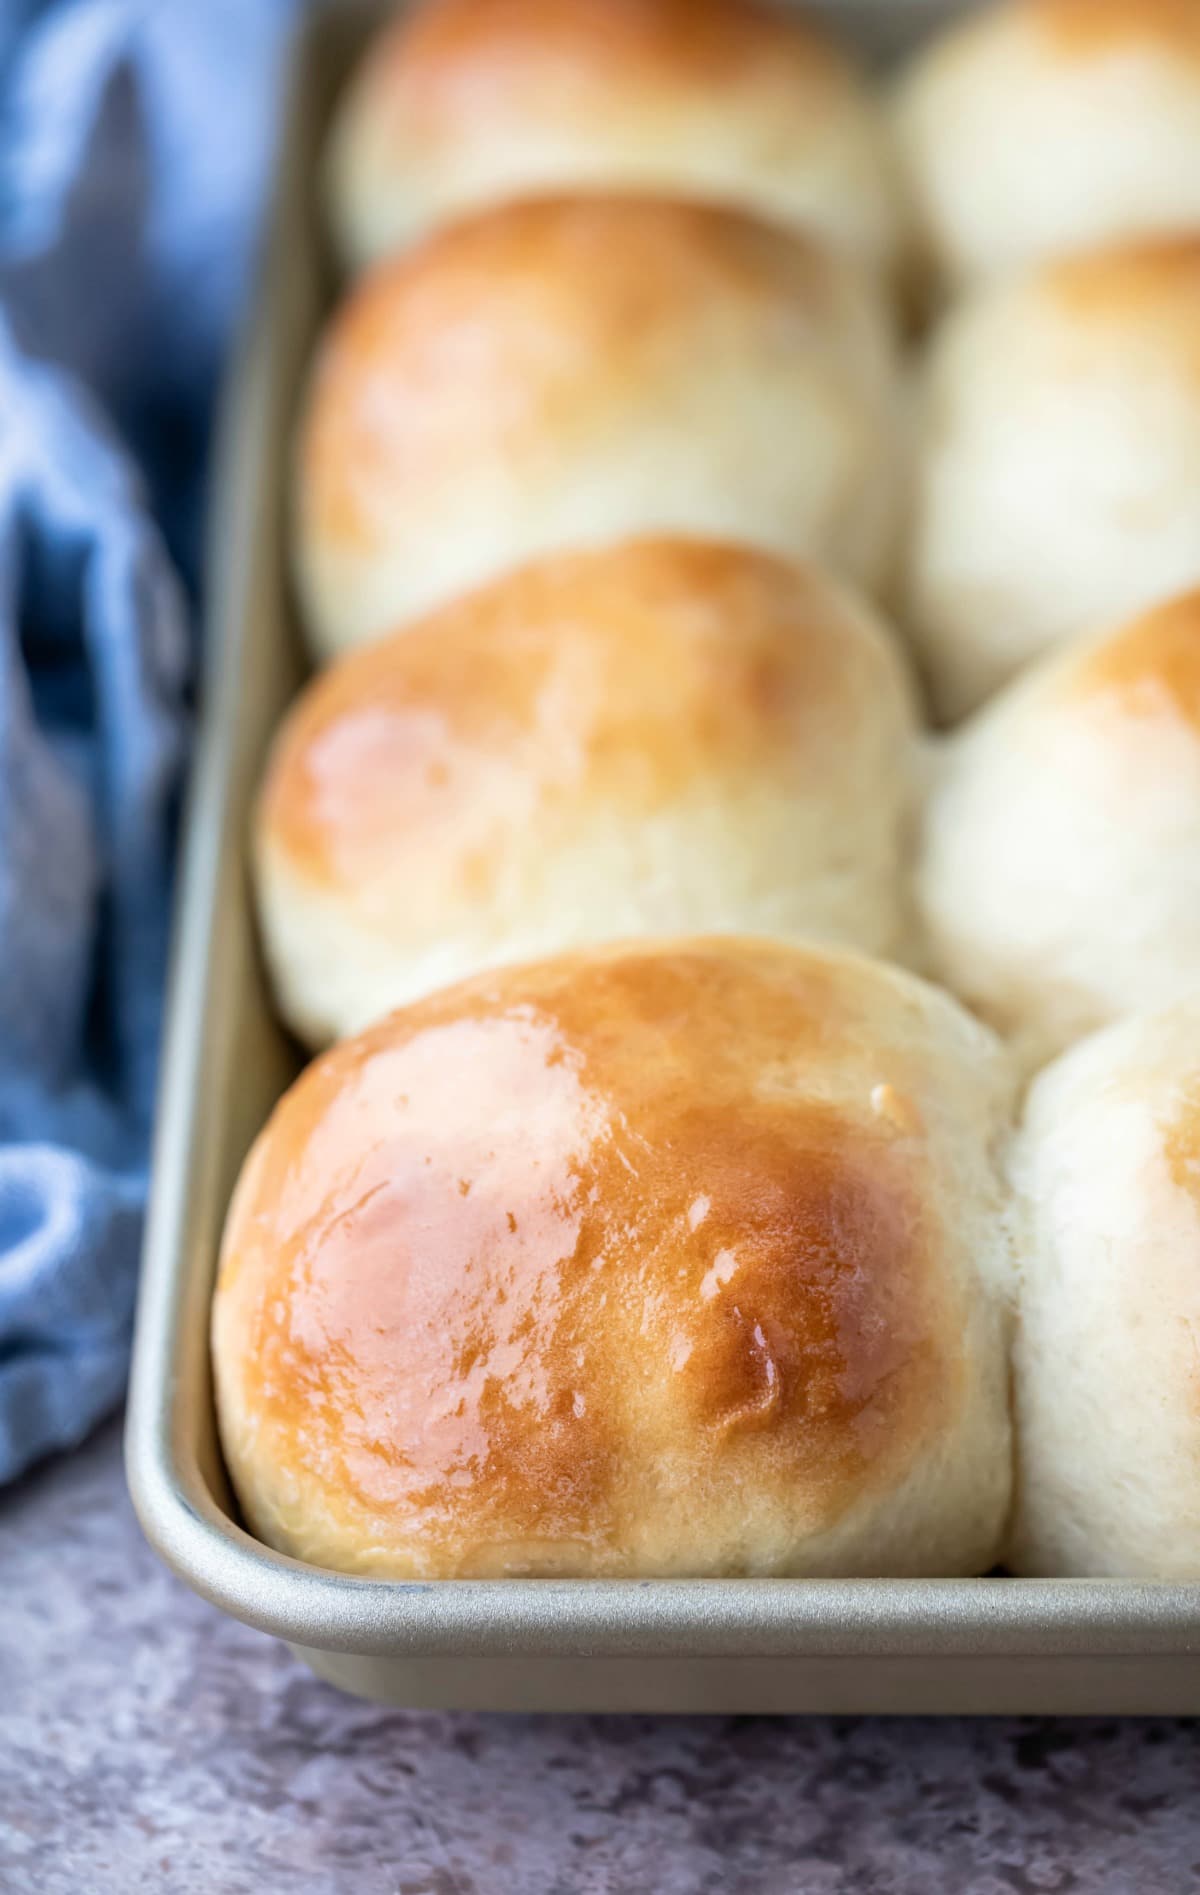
(665, 736)
(1060, 476)
(1039, 127)
(1059, 879)
(562, 373)
(1107, 1167)
(461, 104)
(683, 1258)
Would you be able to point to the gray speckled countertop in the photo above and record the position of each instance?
(148, 1743)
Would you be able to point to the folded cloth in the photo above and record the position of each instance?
(92, 662)
(133, 140)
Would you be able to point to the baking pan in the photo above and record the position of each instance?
(981, 1645)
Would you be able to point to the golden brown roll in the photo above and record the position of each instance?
(1059, 482)
(674, 1259)
(1107, 1384)
(1035, 128)
(461, 104)
(1059, 877)
(560, 374)
(666, 736)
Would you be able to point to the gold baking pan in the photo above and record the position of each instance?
(704, 1645)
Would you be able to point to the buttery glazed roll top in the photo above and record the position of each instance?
(1107, 1383)
(558, 374)
(675, 1259)
(665, 736)
(1038, 127)
(465, 103)
(1059, 483)
(1059, 880)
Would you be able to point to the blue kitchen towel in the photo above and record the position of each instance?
(134, 136)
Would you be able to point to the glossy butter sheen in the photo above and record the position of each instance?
(623, 679)
(525, 1251)
(664, 735)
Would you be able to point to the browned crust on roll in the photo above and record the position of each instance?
(485, 1248)
(525, 316)
(1082, 29)
(623, 677)
(449, 65)
(1150, 667)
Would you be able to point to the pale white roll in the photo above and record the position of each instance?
(1107, 1170)
(1059, 482)
(1059, 874)
(1038, 127)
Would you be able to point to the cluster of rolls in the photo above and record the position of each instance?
(738, 863)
